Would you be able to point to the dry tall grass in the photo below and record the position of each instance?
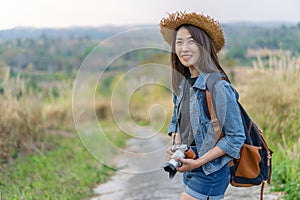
(20, 117)
(270, 93)
(26, 114)
(57, 110)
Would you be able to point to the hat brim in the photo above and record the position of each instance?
(212, 27)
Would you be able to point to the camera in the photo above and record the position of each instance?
(179, 152)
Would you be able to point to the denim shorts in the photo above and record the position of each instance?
(202, 186)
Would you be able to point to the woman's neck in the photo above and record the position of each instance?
(194, 72)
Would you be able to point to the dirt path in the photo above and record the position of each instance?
(153, 184)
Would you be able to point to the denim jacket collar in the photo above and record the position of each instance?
(199, 84)
(201, 81)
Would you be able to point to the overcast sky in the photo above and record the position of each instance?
(66, 13)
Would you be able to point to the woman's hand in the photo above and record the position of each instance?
(176, 140)
(188, 164)
(169, 153)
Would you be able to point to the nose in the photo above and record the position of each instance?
(185, 47)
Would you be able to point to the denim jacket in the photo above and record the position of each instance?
(227, 111)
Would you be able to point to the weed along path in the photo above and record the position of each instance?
(144, 179)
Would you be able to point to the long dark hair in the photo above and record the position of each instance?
(208, 63)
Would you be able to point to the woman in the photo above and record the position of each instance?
(195, 40)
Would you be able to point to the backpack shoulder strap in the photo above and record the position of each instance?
(212, 79)
(210, 82)
(213, 117)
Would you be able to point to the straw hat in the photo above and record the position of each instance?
(206, 23)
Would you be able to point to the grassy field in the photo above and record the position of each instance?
(67, 171)
(42, 156)
(270, 94)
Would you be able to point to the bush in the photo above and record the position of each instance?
(270, 94)
(26, 114)
(20, 119)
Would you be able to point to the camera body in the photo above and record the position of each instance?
(179, 152)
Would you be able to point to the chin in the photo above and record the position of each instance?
(187, 64)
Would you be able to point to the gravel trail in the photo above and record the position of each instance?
(151, 182)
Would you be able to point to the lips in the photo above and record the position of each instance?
(186, 57)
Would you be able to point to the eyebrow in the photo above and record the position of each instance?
(179, 38)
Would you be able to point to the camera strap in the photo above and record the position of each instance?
(179, 110)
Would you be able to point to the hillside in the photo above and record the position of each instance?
(63, 50)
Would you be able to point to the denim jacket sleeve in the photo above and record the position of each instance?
(172, 125)
(229, 117)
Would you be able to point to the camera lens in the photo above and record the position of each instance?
(171, 169)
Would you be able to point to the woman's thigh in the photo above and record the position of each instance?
(185, 196)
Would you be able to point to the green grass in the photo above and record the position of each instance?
(286, 173)
(270, 97)
(68, 171)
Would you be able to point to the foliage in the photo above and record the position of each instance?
(240, 38)
(53, 50)
(67, 171)
(27, 111)
(38, 159)
(20, 122)
(286, 174)
(270, 95)
(44, 54)
(143, 94)
(36, 76)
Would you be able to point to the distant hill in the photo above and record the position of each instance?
(267, 24)
(102, 32)
(64, 49)
(73, 32)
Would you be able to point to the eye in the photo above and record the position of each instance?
(178, 42)
(191, 41)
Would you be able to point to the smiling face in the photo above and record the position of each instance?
(192, 52)
(186, 48)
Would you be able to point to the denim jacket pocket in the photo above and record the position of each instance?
(204, 125)
(207, 137)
